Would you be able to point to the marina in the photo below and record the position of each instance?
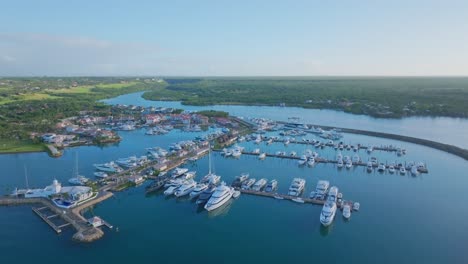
(183, 211)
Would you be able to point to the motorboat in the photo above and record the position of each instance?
(199, 188)
(236, 153)
(391, 169)
(298, 200)
(296, 187)
(101, 174)
(246, 185)
(278, 197)
(272, 186)
(346, 211)
(221, 195)
(108, 167)
(374, 161)
(356, 206)
(339, 156)
(156, 185)
(321, 189)
(302, 161)
(185, 188)
(262, 156)
(178, 172)
(129, 162)
(349, 164)
(259, 185)
(239, 180)
(189, 175)
(381, 167)
(311, 162)
(370, 168)
(171, 190)
(236, 194)
(402, 170)
(328, 213)
(205, 195)
(256, 151)
(174, 182)
(370, 149)
(414, 170)
(78, 180)
(333, 194)
(340, 164)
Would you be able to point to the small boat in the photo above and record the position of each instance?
(346, 211)
(349, 164)
(356, 206)
(391, 169)
(402, 170)
(369, 167)
(414, 170)
(101, 174)
(278, 197)
(340, 164)
(298, 200)
(248, 183)
(302, 161)
(256, 151)
(311, 162)
(381, 167)
(189, 175)
(262, 156)
(236, 194)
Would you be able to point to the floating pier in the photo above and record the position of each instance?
(284, 196)
(57, 229)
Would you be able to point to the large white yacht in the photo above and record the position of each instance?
(258, 186)
(321, 189)
(198, 190)
(333, 194)
(178, 172)
(108, 167)
(221, 195)
(328, 213)
(296, 187)
(272, 186)
(185, 188)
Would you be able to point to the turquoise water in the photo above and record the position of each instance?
(403, 219)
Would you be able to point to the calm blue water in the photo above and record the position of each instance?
(403, 219)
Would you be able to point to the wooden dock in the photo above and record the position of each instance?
(284, 196)
(322, 160)
(57, 229)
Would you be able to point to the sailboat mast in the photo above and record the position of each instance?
(26, 177)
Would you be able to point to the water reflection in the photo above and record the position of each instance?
(222, 210)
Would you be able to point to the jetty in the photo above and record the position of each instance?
(321, 160)
(284, 196)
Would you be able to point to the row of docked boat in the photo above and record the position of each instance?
(245, 183)
(235, 151)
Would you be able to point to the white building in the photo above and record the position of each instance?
(76, 193)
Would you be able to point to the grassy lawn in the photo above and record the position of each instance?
(89, 88)
(12, 146)
(27, 97)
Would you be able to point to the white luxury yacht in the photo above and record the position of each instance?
(185, 188)
(333, 194)
(328, 213)
(221, 195)
(272, 186)
(258, 186)
(178, 172)
(321, 189)
(296, 187)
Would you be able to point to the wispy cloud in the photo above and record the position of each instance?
(43, 54)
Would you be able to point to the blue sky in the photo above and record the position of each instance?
(239, 38)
